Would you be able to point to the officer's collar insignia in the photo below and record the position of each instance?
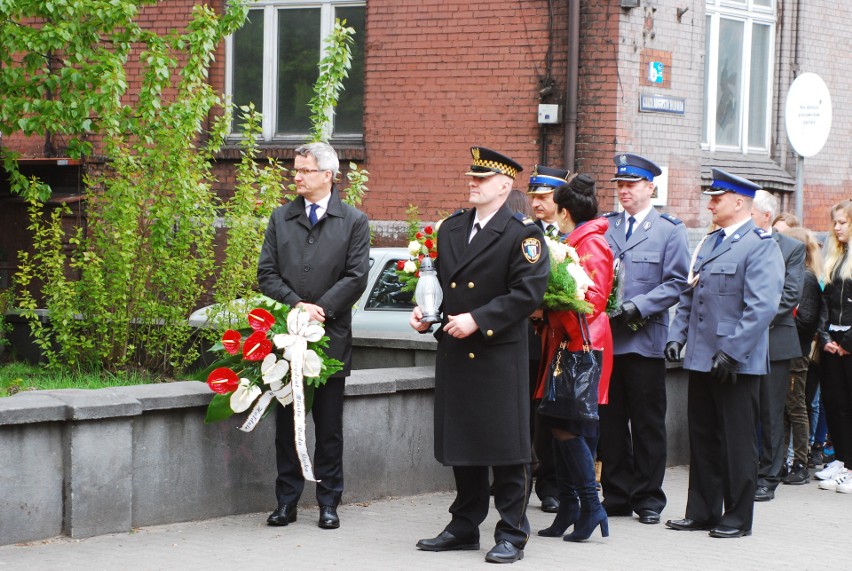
(531, 247)
(647, 224)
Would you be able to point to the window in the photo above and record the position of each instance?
(739, 49)
(273, 63)
(388, 292)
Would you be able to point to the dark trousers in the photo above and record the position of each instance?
(511, 490)
(723, 449)
(796, 422)
(633, 434)
(328, 453)
(774, 387)
(836, 384)
(544, 469)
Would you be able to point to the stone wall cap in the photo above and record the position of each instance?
(390, 380)
(390, 340)
(90, 404)
(31, 406)
(164, 396)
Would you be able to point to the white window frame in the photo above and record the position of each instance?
(270, 61)
(748, 12)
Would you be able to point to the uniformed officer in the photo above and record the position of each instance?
(543, 182)
(493, 268)
(653, 257)
(723, 319)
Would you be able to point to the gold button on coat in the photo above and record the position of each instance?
(470, 285)
(471, 355)
(490, 333)
(453, 285)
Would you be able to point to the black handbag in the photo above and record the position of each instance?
(571, 389)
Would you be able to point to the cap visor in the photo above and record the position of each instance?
(485, 174)
(540, 190)
(627, 178)
(715, 191)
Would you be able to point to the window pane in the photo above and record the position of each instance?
(729, 82)
(349, 116)
(763, 3)
(705, 129)
(758, 86)
(248, 66)
(388, 292)
(298, 55)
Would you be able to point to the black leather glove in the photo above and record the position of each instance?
(724, 368)
(672, 351)
(629, 312)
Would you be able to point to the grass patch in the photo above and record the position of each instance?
(16, 377)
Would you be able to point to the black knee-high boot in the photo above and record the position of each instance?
(581, 470)
(569, 505)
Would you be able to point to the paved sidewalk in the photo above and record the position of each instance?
(803, 528)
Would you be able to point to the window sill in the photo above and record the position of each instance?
(347, 149)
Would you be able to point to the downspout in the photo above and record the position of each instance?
(573, 75)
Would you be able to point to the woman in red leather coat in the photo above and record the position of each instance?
(575, 440)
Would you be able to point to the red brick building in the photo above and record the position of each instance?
(689, 83)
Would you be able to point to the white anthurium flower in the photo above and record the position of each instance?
(414, 247)
(244, 395)
(582, 279)
(274, 370)
(313, 364)
(299, 323)
(410, 267)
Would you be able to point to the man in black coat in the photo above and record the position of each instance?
(493, 267)
(316, 256)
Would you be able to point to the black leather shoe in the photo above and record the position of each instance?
(617, 511)
(504, 552)
(763, 494)
(648, 516)
(687, 524)
(446, 541)
(328, 518)
(284, 514)
(549, 504)
(725, 532)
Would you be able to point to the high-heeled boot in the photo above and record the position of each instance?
(581, 469)
(569, 503)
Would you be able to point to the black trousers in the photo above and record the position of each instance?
(545, 471)
(328, 453)
(511, 491)
(633, 434)
(836, 383)
(723, 449)
(774, 387)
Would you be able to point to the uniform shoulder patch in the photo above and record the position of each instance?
(764, 235)
(610, 214)
(531, 248)
(670, 218)
(523, 218)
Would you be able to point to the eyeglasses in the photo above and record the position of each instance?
(303, 172)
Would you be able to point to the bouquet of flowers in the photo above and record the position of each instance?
(425, 243)
(568, 282)
(251, 370)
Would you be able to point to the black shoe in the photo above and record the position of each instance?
(504, 552)
(549, 504)
(763, 494)
(446, 541)
(328, 518)
(618, 511)
(798, 475)
(726, 532)
(284, 514)
(649, 516)
(687, 524)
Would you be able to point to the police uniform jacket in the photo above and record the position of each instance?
(734, 301)
(482, 381)
(326, 265)
(783, 336)
(654, 264)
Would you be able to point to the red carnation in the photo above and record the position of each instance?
(433, 254)
(428, 230)
(419, 235)
(429, 244)
(400, 265)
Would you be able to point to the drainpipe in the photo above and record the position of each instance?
(573, 76)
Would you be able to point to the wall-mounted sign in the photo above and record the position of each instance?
(661, 104)
(655, 71)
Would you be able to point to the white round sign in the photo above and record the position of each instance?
(808, 114)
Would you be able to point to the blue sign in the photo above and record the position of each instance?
(655, 72)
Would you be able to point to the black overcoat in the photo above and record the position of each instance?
(482, 381)
(326, 265)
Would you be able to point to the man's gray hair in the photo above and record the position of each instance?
(324, 154)
(766, 202)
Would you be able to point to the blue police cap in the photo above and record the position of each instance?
(630, 167)
(488, 163)
(726, 182)
(545, 179)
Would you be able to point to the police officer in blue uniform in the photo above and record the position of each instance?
(723, 319)
(652, 253)
(543, 182)
(493, 267)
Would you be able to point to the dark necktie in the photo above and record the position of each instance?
(312, 215)
(550, 231)
(720, 237)
(476, 229)
(630, 222)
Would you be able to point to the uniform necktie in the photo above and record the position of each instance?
(312, 215)
(720, 237)
(630, 222)
(474, 232)
(550, 231)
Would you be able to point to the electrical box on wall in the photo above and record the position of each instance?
(549, 114)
